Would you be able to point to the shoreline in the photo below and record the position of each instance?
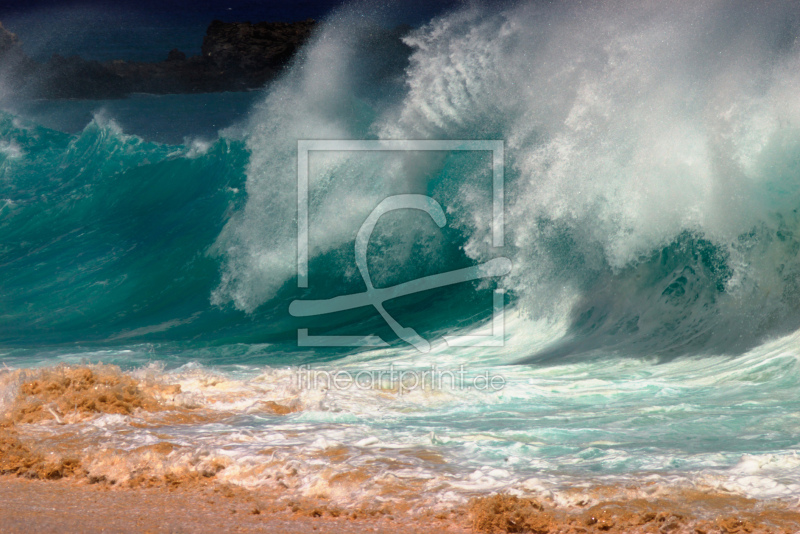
(54, 506)
(58, 471)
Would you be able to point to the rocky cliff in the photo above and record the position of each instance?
(235, 56)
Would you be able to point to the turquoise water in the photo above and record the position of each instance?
(652, 181)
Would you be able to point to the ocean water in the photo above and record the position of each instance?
(652, 182)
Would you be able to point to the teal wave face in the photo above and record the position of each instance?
(111, 240)
(103, 233)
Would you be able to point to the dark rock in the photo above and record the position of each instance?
(74, 77)
(252, 48)
(235, 57)
(16, 68)
(8, 40)
(176, 55)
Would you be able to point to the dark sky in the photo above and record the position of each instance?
(147, 29)
(238, 9)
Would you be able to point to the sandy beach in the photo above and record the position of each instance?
(64, 506)
(59, 475)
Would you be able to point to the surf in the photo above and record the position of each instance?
(650, 166)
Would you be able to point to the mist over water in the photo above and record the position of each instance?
(651, 159)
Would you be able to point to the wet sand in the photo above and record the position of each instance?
(41, 506)
(36, 506)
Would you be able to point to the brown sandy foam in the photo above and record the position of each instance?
(18, 458)
(692, 512)
(152, 496)
(80, 392)
(67, 395)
